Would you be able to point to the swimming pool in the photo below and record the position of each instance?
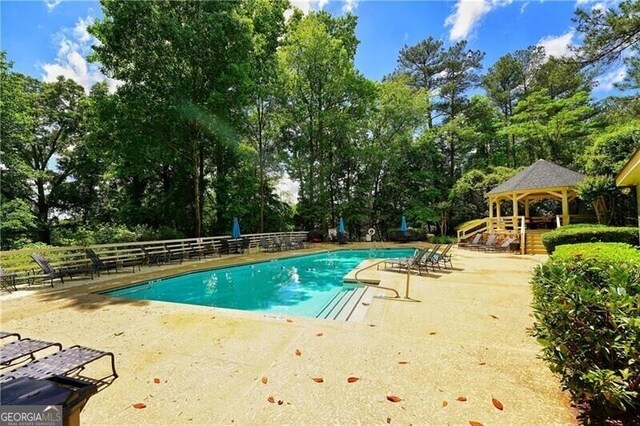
(301, 285)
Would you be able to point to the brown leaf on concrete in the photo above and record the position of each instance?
(139, 406)
(271, 399)
(289, 320)
(403, 362)
(445, 403)
(280, 402)
(298, 353)
(365, 304)
(264, 379)
(353, 379)
(482, 363)
(318, 379)
(393, 398)
(433, 333)
(497, 404)
(156, 380)
(474, 423)
(462, 399)
(319, 334)
(493, 316)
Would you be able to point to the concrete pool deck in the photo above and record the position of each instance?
(466, 337)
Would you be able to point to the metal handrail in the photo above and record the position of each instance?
(355, 277)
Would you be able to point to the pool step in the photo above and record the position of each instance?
(343, 305)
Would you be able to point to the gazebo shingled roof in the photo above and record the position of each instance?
(541, 174)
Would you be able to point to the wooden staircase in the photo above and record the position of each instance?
(533, 244)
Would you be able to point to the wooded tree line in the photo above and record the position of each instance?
(218, 99)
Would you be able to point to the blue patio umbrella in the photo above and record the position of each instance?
(403, 225)
(235, 231)
(341, 227)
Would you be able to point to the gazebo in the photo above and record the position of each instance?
(630, 176)
(542, 180)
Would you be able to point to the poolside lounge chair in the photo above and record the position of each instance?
(48, 272)
(491, 239)
(415, 262)
(174, 253)
(64, 362)
(99, 264)
(153, 258)
(443, 258)
(5, 335)
(504, 246)
(22, 348)
(276, 244)
(7, 280)
(475, 241)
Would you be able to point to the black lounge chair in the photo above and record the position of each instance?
(152, 258)
(66, 361)
(475, 241)
(412, 263)
(22, 348)
(276, 244)
(99, 264)
(490, 241)
(5, 335)
(443, 258)
(504, 246)
(7, 280)
(48, 272)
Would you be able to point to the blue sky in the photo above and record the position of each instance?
(47, 38)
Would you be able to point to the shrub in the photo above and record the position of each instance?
(441, 239)
(584, 233)
(587, 310)
(411, 235)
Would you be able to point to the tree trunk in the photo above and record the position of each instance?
(197, 220)
(44, 230)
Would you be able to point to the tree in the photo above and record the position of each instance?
(531, 60)
(171, 53)
(325, 97)
(610, 34)
(422, 63)
(504, 84)
(460, 73)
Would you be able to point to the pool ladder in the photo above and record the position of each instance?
(370, 284)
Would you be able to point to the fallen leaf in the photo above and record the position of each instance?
(389, 420)
(118, 334)
(139, 406)
(393, 398)
(529, 329)
(289, 320)
(474, 423)
(264, 379)
(319, 334)
(432, 333)
(353, 379)
(271, 399)
(462, 399)
(317, 379)
(493, 316)
(365, 304)
(445, 403)
(403, 362)
(156, 380)
(298, 353)
(497, 404)
(482, 363)
(280, 402)
(371, 325)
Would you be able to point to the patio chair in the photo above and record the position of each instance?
(475, 241)
(99, 264)
(504, 246)
(5, 335)
(153, 257)
(415, 262)
(288, 244)
(264, 244)
(174, 253)
(491, 239)
(22, 348)
(64, 362)
(276, 244)
(7, 280)
(210, 249)
(48, 272)
(443, 258)
(224, 246)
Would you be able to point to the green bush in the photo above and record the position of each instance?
(587, 310)
(585, 233)
(411, 235)
(441, 239)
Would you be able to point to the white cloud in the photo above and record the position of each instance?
(467, 15)
(288, 189)
(524, 6)
(74, 44)
(558, 46)
(52, 4)
(350, 5)
(607, 82)
(322, 4)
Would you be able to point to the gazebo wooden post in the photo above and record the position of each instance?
(526, 207)
(514, 200)
(565, 208)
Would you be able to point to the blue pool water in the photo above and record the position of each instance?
(300, 285)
